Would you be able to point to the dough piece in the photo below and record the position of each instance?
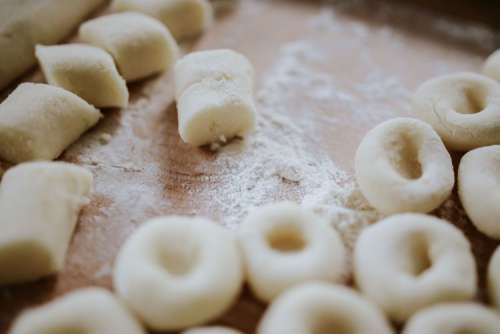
(494, 279)
(454, 319)
(38, 122)
(184, 18)
(491, 66)
(23, 24)
(89, 311)
(140, 45)
(176, 272)
(479, 188)
(279, 238)
(402, 165)
(87, 71)
(211, 330)
(322, 308)
(408, 262)
(216, 65)
(40, 203)
(463, 108)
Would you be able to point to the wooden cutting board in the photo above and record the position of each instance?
(362, 63)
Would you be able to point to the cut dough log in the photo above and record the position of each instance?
(184, 18)
(454, 319)
(211, 330)
(40, 203)
(479, 188)
(176, 272)
(322, 308)
(402, 165)
(279, 238)
(38, 121)
(494, 279)
(86, 311)
(23, 24)
(491, 66)
(87, 71)
(140, 45)
(408, 262)
(464, 108)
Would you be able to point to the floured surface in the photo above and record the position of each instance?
(325, 75)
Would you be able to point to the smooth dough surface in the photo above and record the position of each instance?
(140, 45)
(25, 23)
(322, 308)
(184, 18)
(38, 122)
(408, 262)
(491, 67)
(454, 319)
(464, 108)
(40, 203)
(175, 272)
(84, 70)
(402, 166)
(212, 330)
(279, 238)
(86, 311)
(479, 188)
(494, 279)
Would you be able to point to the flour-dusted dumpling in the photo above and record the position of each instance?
(491, 66)
(85, 70)
(39, 204)
(402, 165)
(38, 122)
(176, 272)
(408, 262)
(494, 279)
(463, 108)
(211, 330)
(184, 18)
(86, 311)
(140, 45)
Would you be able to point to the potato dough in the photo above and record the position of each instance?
(279, 238)
(402, 165)
(491, 66)
(322, 308)
(464, 108)
(494, 279)
(408, 262)
(86, 311)
(184, 18)
(454, 319)
(39, 202)
(87, 71)
(38, 121)
(479, 188)
(140, 45)
(211, 330)
(175, 272)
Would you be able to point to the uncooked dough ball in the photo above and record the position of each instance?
(491, 66)
(402, 165)
(479, 188)
(85, 70)
(176, 272)
(494, 279)
(40, 203)
(408, 262)
(322, 308)
(184, 18)
(463, 108)
(140, 45)
(38, 121)
(211, 330)
(454, 319)
(279, 238)
(89, 311)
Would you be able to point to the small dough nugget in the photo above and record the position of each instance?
(176, 272)
(494, 279)
(322, 308)
(87, 71)
(402, 165)
(454, 319)
(184, 18)
(40, 203)
(464, 108)
(408, 262)
(86, 311)
(38, 122)
(491, 66)
(211, 330)
(479, 188)
(279, 238)
(140, 45)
